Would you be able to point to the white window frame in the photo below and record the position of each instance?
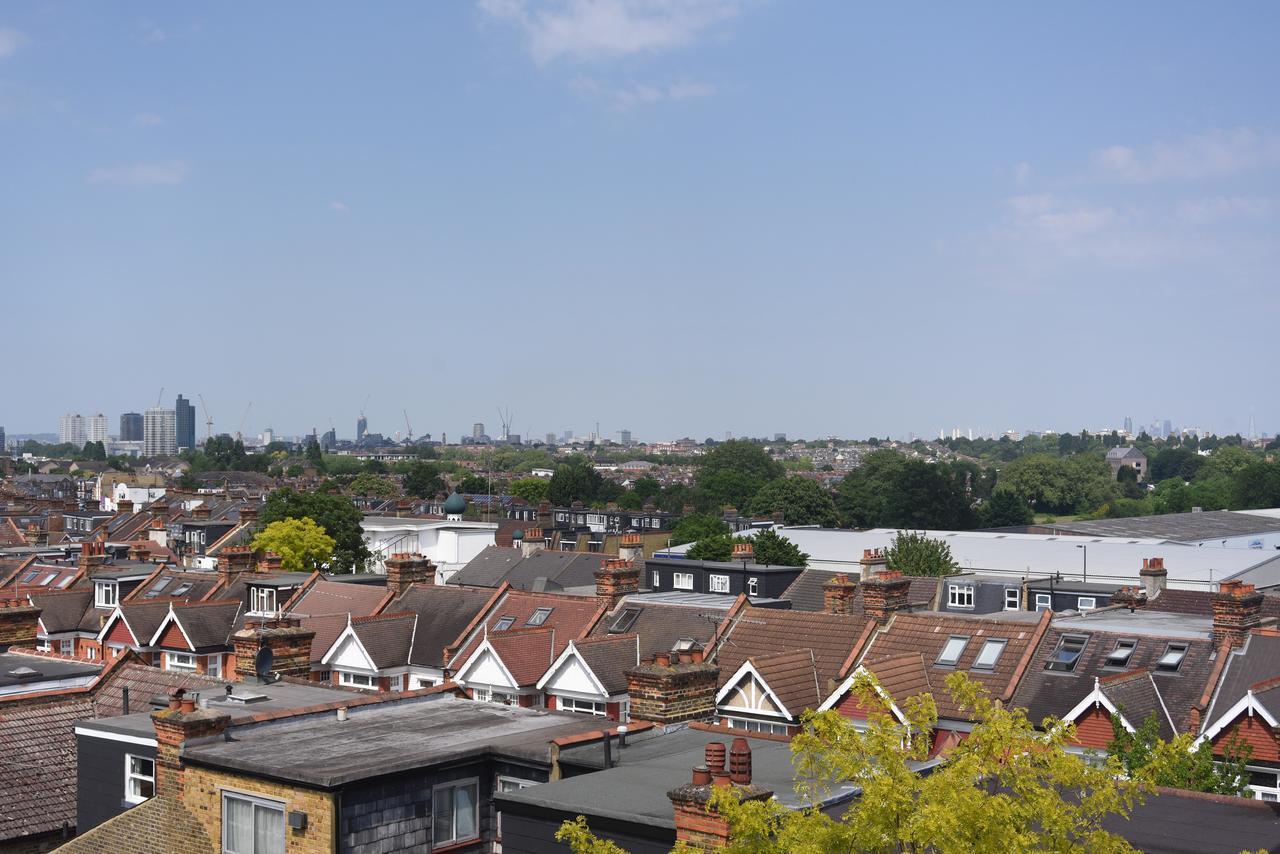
(1014, 602)
(363, 681)
(395, 683)
(1271, 794)
(257, 804)
(717, 584)
(106, 594)
(213, 666)
(509, 784)
(42, 644)
(67, 646)
(91, 653)
(481, 694)
(1082, 607)
(656, 579)
(1044, 601)
(130, 776)
(753, 725)
(960, 595)
(183, 662)
(452, 786)
(262, 597)
(582, 707)
(682, 581)
(753, 586)
(425, 682)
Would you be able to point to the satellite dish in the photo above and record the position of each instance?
(262, 663)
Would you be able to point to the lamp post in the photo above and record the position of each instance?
(1086, 561)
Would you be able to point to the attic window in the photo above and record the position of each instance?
(1120, 656)
(989, 654)
(625, 620)
(48, 579)
(1067, 653)
(951, 651)
(158, 586)
(64, 583)
(1174, 653)
(504, 624)
(181, 588)
(539, 617)
(30, 576)
(106, 594)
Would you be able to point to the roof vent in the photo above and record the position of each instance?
(25, 673)
(243, 698)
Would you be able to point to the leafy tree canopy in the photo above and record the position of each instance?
(532, 489)
(339, 518)
(734, 471)
(303, 545)
(576, 480)
(698, 526)
(1176, 764)
(1004, 509)
(801, 501)
(371, 484)
(423, 480)
(913, 553)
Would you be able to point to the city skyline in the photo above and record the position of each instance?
(813, 219)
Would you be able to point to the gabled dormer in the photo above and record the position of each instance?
(589, 677)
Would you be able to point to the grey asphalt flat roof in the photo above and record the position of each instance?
(321, 751)
(1209, 525)
(49, 669)
(1143, 622)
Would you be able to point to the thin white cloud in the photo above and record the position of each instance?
(338, 207)
(627, 97)
(10, 41)
(151, 174)
(1215, 153)
(148, 120)
(592, 30)
(149, 32)
(1218, 208)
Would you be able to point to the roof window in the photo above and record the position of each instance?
(1067, 653)
(951, 651)
(989, 654)
(504, 624)
(1174, 653)
(1120, 656)
(625, 620)
(539, 617)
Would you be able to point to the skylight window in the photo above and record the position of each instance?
(64, 583)
(951, 651)
(48, 579)
(181, 588)
(1174, 653)
(30, 576)
(989, 654)
(504, 624)
(625, 620)
(539, 617)
(159, 585)
(1067, 653)
(1120, 656)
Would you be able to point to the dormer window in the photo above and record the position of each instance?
(262, 600)
(1172, 659)
(539, 617)
(106, 594)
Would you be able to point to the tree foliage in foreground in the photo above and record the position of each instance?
(769, 549)
(1176, 763)
(1007, 787)
(913, 553)
(303, 545)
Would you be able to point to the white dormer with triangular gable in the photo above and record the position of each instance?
(570, 676)
(747, 691)
(350, 663)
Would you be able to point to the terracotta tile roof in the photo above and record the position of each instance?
(805, 593)
(527, 653)
(168, 581)
(609, 658)
(793, 677)
(761, 631)
(571, 616)
(1052, 693)
(927, 634)
(903, 676)
(1200, 602)
(386, 638)
(323, 596)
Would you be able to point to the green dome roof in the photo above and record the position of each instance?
(517, 534)
(455, 504)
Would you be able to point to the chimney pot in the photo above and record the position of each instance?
(701, 775)
(740, 762)
(714, 754)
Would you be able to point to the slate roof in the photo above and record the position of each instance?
(572, 617)
(444, 612)
(761, 631)
(63, 611)
(543, 570)
(166, 583)
(323, 596)
(386, 638)
(1049, 693)
(661, 625)
(927, 634)
(208, 625)
(793, 677)
(1137, 695)
(805, 593)
(1200, 602)
(1258, 660)
(609, 658)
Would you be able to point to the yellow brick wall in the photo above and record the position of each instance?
(202, 797)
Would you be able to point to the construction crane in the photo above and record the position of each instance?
(243, 418)
(208, 421)
(159, 397)
(408, 428)
(504, 415)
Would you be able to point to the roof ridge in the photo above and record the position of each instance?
(200, 604)
(1265, 684)
(373, 618)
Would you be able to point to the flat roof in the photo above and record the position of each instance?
(1142, 622)
(717, 601)
(1207, 525)
(376, 740)
(13, 667)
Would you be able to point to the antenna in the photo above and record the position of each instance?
(263, 662)
(208, 421)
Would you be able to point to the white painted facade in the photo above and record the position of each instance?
(450, 545)
(139, 495)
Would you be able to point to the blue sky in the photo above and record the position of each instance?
(680, 217)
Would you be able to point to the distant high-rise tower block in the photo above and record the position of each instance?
(95, 428)
(185, 420)
(477, 430)
(159, 432)
(362, 427)
(131, 427)
(624, 436)
(71, 430)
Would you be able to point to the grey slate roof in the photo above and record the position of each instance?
(609, 659)
(661, 625)
(208, 625)
(561, 570)
(63, 611)
(805, 593)
(443, 613)
(1138, 697)
(386, 638)
(1208, 525)
(1256, 661)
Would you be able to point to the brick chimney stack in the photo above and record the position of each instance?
(175, 727)
(667, 691)
(544, 513)
(159, 509)
(289, 642)
(1155, 578)
(56, 524)
(18, 619)
(615, 579)
(1237, 608)
(532, 542)
(124, 506)
(249, 514)
(201, 511)
(32, 536)
(405, 569)
(884, 594)
(92, 556)
(631, 547)
(234, 562)
(838, 594)
(743, 552)
(697, 825)
(873, 563)
(270, 562)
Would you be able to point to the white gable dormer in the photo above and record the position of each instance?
(485, 667)
(747, 691)
(348, 653)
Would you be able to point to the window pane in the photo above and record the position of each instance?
(238, 825)
(442, 815)
(268, 830)
(951, 652)
(465, 811)
(989, 655)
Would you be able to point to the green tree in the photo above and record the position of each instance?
(532, 489)
(313, 453)
(1004, 509)
(371, 484)
(774, 549)
(1180, 763)
(861, 496)
(303, 545)
(474, 485)
(718, 547)
(734, 471)
(801, 500)
(1175, 462)
(698, 526)
(576, 480)
(1256, 485)
(423, 480)
(1007, 787)
(913, 553)
(924, 496)
(94, 451)
(339, 518)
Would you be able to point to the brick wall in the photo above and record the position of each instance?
(673, 693)
(18, 620)
(203, 798)
(1254, 731)
(1093, 729)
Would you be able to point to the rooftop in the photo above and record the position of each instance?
(1163, 624)
(19, 672)
(1208, 525)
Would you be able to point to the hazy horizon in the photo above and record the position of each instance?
(677, 218)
